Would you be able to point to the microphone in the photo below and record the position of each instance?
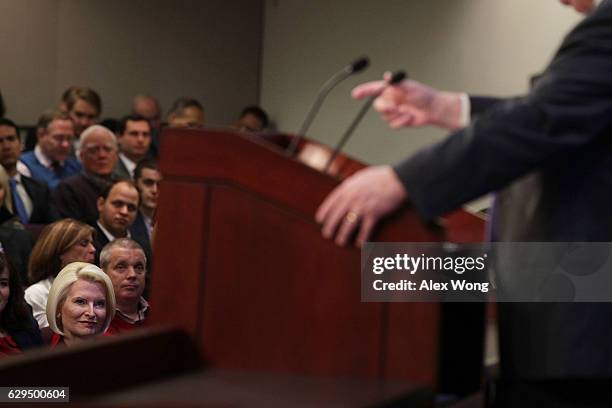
(357, 66)
(396, 78)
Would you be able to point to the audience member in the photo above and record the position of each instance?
(125, 262)
(8, 218)
(134, 138)
(76, 196)
(111, 124)
(148, 107)
(252, 119)
(59, 244)
(18, 329)
(117, 206)
(147, 178)
(31, 198)
(81, 304)
(50, 161)
(84, 107)
(186, 112)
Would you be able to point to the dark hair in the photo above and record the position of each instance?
(106, 191)
(134, 117)
(110, 123)
(49, 116)
(126, 243)
(10, 123)
(144, 164)
(16, 314)
(179, 106)
(75, 93)
(258, 113)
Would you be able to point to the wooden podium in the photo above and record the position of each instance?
(264, 311)
(240, 264)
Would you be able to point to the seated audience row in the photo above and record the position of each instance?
(82, 302)
(97, 190)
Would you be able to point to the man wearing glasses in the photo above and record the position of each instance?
(76, 196)
(50, 161)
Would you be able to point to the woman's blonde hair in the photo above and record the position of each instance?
(62, 283)
(54, 240)
(4, 184)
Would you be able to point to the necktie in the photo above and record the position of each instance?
(57, 167)
(19, 206)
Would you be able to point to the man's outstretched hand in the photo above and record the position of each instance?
(412, 104)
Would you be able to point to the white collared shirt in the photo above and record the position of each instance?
(44, 160)
(148, 223)
(40, 156)
(23, 194)
(110, 236)
(129, 164)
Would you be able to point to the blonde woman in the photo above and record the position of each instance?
(81, 304)
(59, 244)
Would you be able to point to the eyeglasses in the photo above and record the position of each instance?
(85, 242)
(97, 148)
(62, 138)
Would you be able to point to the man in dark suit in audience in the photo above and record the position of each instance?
(186, 112)
(31, 199)
(117, 207)
(148, 107)
(252, 119)
(147, 178)
(76, 197)
(134, 138)
(548, 155)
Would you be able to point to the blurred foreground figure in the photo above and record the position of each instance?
(549, 158)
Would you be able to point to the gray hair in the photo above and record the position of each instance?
(125, 243)
(87, 133)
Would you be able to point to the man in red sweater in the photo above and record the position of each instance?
(124, 261)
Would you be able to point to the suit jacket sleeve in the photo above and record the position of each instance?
(67, 201)
(43, 208)
(480, 104)
(570, 107)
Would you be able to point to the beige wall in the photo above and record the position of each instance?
(206, 49)
(475, 45)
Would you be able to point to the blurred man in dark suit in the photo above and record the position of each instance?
(549, 157)
(134, 138)
(31, 198)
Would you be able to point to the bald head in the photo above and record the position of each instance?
(148, 107)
